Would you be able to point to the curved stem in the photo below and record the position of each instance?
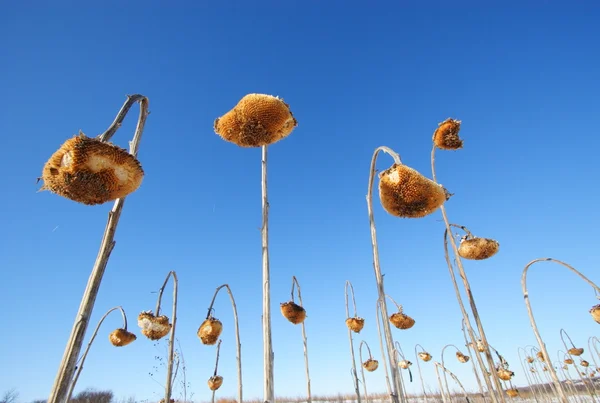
(395, 372)
(455, 380)
(398, 351)
(419, 368)
(444, 366)
(473, 362)
(238, 355)
(566, 374)
(563, 332)
(362, 370)
(442, 392)
(592, 346)
(558, 386)
(81, 361)
(398, 306)
(379, 317)
(171, 347)
(471, 299)
(544, 385)
(304, 339)
(67, 365)
(350, 338)
(268, 355)
(216, 368)
(466, 321)
(349, 285)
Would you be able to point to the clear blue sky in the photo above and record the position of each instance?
(524, 81)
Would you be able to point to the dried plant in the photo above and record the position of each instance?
(399, 319)
(595, 312)
(557, 384)
(259, 120)
(474, 366)
(206, 334)
(425, 357)
(297, 314)
(453, 376)
(369, 364)
(118, 338)
(215, 381)
(67, 365)
(353, 326)
(468, 249)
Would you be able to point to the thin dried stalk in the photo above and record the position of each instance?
(559, 389)
(548, 386)
(351, 339)
(379, 333)
(268, 355)
(398, 351)
(89, 345)
(395, 372)
(419, 368)
(169, 384)
(566, 375)
(475, 372)
(216, 367)
(563, 333)
(362, 370)
(437, 364)
(471, 298)
(238, 355)
(67, 365)
(466, 320)
(304, 341)
(444, 366)
(442, 391)
(592, 347)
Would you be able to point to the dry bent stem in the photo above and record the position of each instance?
(362, 369)
(67, 365)
(169, 384)
(471, 298)
(216, 367)
(559, 389)
(473, 361)
(238, 355)
(563, 333)
(354, 373)
(466, 320)
(442, 392)
(419, 368)
(532, 386)
(304, 340)
(444, 366)
(268, 356)
(396, 389)
(87, 350)
(385, 367)
(437, 364)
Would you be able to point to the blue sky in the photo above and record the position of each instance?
(523, 80)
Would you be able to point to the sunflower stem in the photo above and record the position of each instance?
(558, 387)
(268, 355)
(67, 365)
(304, 339)
(169, 384)
(347, 287)
(591, 392)
(81, 361)
(396, 389)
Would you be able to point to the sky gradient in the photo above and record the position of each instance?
(523, 80)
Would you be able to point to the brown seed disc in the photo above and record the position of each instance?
(293, 312)
(478, 248)
(371, 365)
(425, 356)
(462, 358)
(89, 171)
(215, 382)
(576, 351)
(568, 361)
(512, 392)
(530, 360)
(210, 330)
(257, 120)
(355, 324)
(402, 321)
(505, 374)
(121, 337)
(584, 363)
(404, 192)
(595, 312)
(404, 364)
(446, 136)
(153, 327)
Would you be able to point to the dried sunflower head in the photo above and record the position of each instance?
(402, 321)
(257, 120)
(355, 324)
(153, 327)
(404, 192)
(595, 312)
(576, 351)
(121, 337)
(89, 171)
(462, 358)
(210, 330)
(404, 364)
(529, 359)
(371, 365)
(512, 392)
(425, 356)
(446, 136)
(475, 248)
(505, 374)
(568, 361)
(293, 312)
(584, 363)
(215, 382)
